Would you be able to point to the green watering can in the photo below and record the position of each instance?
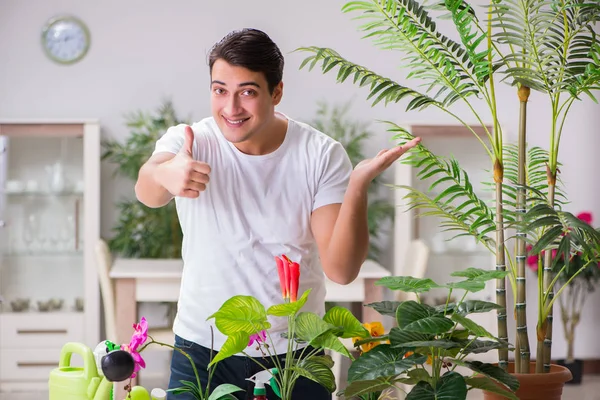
(78, 383)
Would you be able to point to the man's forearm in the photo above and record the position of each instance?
(148, 191)
(349, 243)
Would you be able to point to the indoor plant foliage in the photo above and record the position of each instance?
(143, 232)
(544, 45)
(576, 290)
(353, 134)
(429, 343)
(244, 320)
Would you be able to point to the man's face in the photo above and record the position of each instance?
(240, 101)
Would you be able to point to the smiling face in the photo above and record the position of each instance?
(242, 104)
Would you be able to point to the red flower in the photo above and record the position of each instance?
(585, 217)
(289, 277)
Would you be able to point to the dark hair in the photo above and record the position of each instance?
(251, 49)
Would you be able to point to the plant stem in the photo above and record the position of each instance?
(500, 266)
(521, 206)
(545, 340)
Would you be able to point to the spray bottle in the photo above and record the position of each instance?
(260, 379)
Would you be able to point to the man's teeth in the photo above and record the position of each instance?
(239, 121)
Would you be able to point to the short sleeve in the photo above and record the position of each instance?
(335, 173)
(171, 141)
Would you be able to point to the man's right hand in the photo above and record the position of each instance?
(183, 176)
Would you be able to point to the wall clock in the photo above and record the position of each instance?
(66, 39)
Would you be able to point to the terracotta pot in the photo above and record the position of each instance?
(537, 386)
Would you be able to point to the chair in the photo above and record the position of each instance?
(104, 262)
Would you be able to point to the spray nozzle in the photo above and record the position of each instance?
(265, 377)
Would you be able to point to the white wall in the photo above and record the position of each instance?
(143, 51)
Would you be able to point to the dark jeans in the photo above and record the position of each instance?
(232, 370)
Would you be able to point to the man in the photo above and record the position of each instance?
(251, 184)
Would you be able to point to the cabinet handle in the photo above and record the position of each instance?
(40, 331)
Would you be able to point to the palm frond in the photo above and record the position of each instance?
(457, 205)
(444, 64)
(380, 88)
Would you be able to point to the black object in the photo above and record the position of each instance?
(117, 366)
(576, 368)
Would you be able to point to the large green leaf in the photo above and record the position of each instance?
(234, 344)
(317, 371)
(346, 323)
(407, 284)
(381, 362)
(223, 390)
(287, 309)
(475, 306)
(478, 274)
(398, 337)
(187, 387)
(309, 326)
(416, 317)
(487, 384)
(329, 341)
(472, 326)
(451, 386)
(361, 388)
(491, 371)
(385, 307)
(468, 285)
(483, 346)
(241, 314)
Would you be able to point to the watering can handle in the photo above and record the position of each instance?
(89, 364)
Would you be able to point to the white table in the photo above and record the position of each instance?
(149, 280)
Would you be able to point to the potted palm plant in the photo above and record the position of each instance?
(546, 46)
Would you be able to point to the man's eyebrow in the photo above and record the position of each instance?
(249, 83)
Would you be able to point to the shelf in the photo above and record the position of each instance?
(42, 194)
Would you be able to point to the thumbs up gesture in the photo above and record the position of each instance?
(182, 175)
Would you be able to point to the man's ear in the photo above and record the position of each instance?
(277, 93)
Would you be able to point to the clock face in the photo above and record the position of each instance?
(65, 39)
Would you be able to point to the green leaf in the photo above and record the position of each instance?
(316, 371)
(468, 285)
(451, 386)
(472, 326)
(347, 323)
(361, 388)
(188, 387)
(234, 344)
(241, 314)
(475, 306)
(288, 309)
(309, 326)
(491, 371)
(407, 284)
(382, 361)
(385, 307)
(329, 341)
(483, 346)
(223, 390)
(415, 317)
(480, 274)
(489, 385)
(398, 337)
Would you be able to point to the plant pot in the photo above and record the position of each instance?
(537, 386)
(576, 368)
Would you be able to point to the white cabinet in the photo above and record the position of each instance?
(49, 224)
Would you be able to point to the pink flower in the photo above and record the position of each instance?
(139, 337)
(257, 338)
(585, 217)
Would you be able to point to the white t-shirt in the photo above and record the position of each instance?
(253, 209)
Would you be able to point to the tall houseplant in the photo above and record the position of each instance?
(143, 232)
(353, 134)
(545, 45)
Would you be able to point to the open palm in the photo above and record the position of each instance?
(368, 169)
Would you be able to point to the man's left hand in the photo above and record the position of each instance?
(367, 170)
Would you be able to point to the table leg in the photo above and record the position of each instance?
(126, 316)
(373, 294)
